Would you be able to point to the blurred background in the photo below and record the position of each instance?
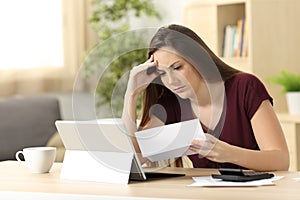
(52, 50)
(45, 42)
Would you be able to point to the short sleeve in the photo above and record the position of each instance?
(255, 94)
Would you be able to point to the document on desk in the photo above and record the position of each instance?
(169, 141)
(297, 179)
(208, 181)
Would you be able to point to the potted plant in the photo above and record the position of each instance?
(110, 19)
(291, 87)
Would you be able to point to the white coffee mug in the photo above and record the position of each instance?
(38, 159)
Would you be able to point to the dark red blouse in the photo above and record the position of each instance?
(244, 94)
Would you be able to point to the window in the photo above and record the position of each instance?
(42, 44)
(31, 34)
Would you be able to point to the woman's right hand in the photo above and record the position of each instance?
(139, 79)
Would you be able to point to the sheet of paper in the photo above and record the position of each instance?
(208, 181)
(169, 141)
(297, 179)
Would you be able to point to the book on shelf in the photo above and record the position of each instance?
(235, 42)
(240, 38)
(229, 40)
(245, 40)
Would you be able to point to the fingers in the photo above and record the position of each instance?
(197, 142)
(142, 75)
(204, 147)
(148, 68)
(151, 59)
(201, 150)
(144, 66)
(211, 138)
(200, 145)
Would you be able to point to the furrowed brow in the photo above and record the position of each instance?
(172, 65)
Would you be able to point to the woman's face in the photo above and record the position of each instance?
(177, 74)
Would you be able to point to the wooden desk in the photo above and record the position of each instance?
(16, 179)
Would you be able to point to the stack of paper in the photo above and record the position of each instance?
(208, 181)
(297, 179)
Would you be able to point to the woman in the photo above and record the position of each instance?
(183, 80)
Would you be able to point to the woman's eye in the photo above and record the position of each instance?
(178, 67)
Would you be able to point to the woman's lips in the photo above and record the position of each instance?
(179, 89)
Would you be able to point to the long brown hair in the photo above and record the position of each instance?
(191, 47)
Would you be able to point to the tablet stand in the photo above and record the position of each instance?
(110, 167)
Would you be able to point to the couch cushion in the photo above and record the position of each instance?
(26, 121)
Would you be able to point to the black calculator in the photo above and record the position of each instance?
(239, 175)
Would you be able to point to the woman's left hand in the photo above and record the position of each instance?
(213, 149)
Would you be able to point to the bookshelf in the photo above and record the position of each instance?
(211, 19)
(273, 32)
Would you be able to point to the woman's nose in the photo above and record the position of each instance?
(171, 78)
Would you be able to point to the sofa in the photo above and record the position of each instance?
(28, 121)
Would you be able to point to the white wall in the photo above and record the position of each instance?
(171, 11)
